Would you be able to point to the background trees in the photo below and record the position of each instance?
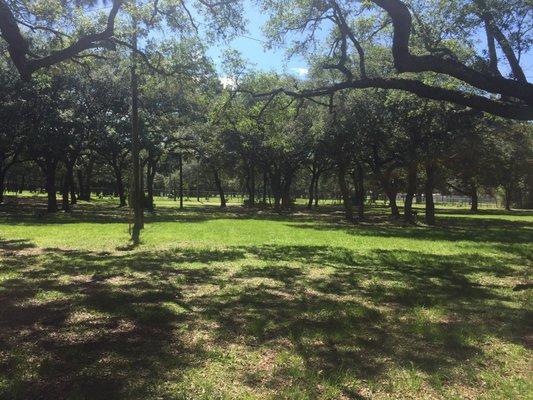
(198, 133)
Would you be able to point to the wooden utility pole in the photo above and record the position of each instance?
(136, 195)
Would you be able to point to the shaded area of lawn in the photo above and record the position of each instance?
(278, 321)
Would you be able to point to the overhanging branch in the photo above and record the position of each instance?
(404, 61)
(496, 107)
(19, 49)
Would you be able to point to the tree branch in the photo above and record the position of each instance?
(496, 107)
(404, 61)
(19, 49)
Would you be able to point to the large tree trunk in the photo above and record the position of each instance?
(50, 168)
(346, 198)
(410, 193)
(286, 191)
(508, 200)
(428, 191)
(390, 192)
(136, 199)
(84, 181)
(82, 194)
(220, 190)
(474, 198)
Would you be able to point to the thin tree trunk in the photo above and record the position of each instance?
(198, 183)
(265, 186)
(316, 190)
(311, 190)
(72, 185)
(120, 186)
(89, 180)
(251, 187)
(428, 192)
(529, 185)
(68, 186)
(143, 197)
(65, 194)
(359, 183)
(410, 193)
(150, 176)
(180, 159)
(22, 183)
(2, 185)
(81, 186)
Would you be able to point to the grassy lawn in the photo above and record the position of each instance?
(238, 304)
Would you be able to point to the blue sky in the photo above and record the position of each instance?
(251, 46)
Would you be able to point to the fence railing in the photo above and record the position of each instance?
(325, 197)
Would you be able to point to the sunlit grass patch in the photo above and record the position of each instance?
(240, 304)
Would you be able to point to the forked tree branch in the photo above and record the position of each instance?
(18, 46)
(404, 61)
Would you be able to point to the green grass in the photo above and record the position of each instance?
(241, 304)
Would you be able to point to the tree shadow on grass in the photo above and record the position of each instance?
(33, 212)
(15, 244)
(78, 324)
(450, 229)
(361, 314)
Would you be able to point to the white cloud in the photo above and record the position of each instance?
(228, 81)
(300, 71)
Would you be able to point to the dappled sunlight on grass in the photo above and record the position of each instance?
(258, 305)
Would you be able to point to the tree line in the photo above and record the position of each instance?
(74, 129)
(400, 98)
